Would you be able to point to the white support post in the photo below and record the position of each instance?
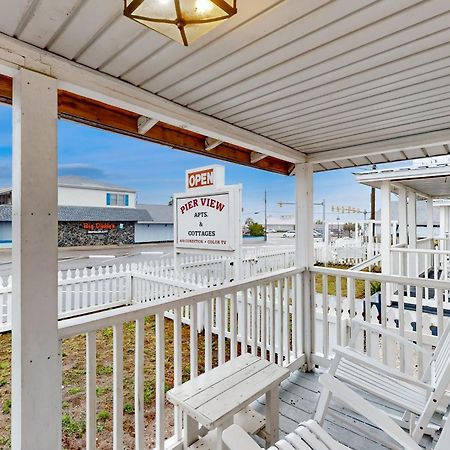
(304, 251)
(36, 360)
(430, 218)
(385, 227)
(402, 217)
(412, 227)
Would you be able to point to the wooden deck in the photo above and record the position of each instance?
(299, 395)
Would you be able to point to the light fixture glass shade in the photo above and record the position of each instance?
(183, 21)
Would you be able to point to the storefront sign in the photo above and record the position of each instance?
(208, 214)
(204, 221)
(98, 227)
(205, 177)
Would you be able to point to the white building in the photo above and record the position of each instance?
(95, 213)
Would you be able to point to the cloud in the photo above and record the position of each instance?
(81, 170)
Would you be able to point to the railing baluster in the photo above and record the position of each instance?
(233, 325)
(194, 341)
(286, 322)
(243, 320)
(338, 308)
(401, 323)
(160, 379)
(419, 327)
(264, 333)
(178, 369)
(279, 341)
(139, 385)
(91, 390)
(325, 325)
(367, 316)
(221, 326)
(272, 307)
(208, 336)
(118, 387)
(254, 320)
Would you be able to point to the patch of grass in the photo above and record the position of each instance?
(128, 408)
(102, 390)
(103, 416)
(72, 427)
(6, 408)
(75, 390)
(149, 391)
(3, 383)
(107, 332)
(104, 370)
(5, 442)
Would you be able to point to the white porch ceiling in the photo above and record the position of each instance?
(347, 82)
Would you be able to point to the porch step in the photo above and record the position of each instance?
(251, 421)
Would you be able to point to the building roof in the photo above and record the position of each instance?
(82, 183)
(338, 83)
(88, 183)
(158, 213)
(88, 214)
(421, 211)
(426, 180)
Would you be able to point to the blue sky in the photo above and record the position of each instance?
(156, 172)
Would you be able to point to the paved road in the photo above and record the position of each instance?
(93, 257)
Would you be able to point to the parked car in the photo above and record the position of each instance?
(287, 234)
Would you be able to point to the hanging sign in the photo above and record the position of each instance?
(207, 215)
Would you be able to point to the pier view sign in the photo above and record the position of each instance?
(207, 215)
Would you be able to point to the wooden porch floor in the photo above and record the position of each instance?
(299, 395)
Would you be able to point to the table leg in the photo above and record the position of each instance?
(219, 444)
(190, 431)
(272, 416)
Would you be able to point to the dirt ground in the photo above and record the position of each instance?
(74, 385)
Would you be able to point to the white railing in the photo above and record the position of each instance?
(415, 308)
(420, 262)
(263, 316)
(345, 251)
(5, 303)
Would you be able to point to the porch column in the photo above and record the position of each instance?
(385, 227)
(412, 223)
(304, 252)
(402, 220)
(430, 222)
(36, 360)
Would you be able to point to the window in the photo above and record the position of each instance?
(117, 199)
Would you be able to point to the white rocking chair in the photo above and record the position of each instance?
(311, 436)
(420, 399)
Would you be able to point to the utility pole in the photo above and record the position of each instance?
(372, 198)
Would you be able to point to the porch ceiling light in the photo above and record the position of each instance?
(183, 21)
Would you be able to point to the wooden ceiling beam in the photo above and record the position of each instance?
(100, 115)
(145, 124)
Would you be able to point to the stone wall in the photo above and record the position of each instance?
(72, 234)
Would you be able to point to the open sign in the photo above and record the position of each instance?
(205, 177)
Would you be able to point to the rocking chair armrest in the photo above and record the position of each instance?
(346, 396)
(360, 324)
(236, 438)
(364, 360)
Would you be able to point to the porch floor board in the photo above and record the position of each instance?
(298, 398)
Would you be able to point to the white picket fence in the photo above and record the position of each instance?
(98, 288)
